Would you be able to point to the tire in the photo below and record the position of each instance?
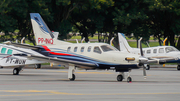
(129, 79)
(178, 67)
(37, 66)
(119, 78)
(15, 71)
(148, 67)
(73, 77)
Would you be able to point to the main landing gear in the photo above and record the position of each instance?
(17, 70)
(121, 76)
(178, 67)
(71, 74)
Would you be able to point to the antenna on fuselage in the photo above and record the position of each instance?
(164, 42)
(82, 40)
(77, 41)
(16, 40)
(147, 44)
(139, 42)
(111, 41)
(22, 40)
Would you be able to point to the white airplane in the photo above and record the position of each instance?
(8, 59)
(169, 53)
(89, 56)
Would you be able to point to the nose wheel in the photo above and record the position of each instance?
(129, 79)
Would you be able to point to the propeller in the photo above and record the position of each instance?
(142, 59)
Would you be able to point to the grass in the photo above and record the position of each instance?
(79, 37)
(151, 44)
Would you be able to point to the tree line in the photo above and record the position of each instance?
(143, 18)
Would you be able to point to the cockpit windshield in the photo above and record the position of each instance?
(170, 49)
(106, 48)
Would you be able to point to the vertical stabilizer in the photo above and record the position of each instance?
(123, 44)
(43, 35)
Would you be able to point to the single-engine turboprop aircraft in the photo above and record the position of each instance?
(89, 56)
(7, 59)
(169, 53)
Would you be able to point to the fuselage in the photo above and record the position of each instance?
(159, 52)
(100, 53)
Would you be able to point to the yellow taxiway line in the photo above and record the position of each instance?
(51, 92)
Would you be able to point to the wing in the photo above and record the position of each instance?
(162, 60)
(59, 60)
(21, 45)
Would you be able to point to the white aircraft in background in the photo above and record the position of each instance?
(169, 53)
(8, 59)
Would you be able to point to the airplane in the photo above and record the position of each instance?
(170, 53)
(88, 56)
(7, 59)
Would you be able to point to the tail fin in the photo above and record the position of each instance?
(123, 44)
(42, 33)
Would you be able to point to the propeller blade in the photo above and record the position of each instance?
(144, 72)
(140, 46)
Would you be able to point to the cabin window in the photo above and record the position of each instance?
(89, 49)
(155, 51)
(148, 51)
(97, 50)
(82, 49)
(9, 51)
(75, 49)
(161, 50)
(3, 50)
(106, 48)
(143, 51)
(69, 48)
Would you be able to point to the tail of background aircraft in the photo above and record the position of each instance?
(42, 33)
(123, 44)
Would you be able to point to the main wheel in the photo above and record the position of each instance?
(148, 67)
(119, 78)
(73, 77)
(129, 79)
(178, 67)
(37, 66)
(15, 71)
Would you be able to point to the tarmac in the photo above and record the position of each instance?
(161, 84)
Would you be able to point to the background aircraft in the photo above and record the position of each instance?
(8, 59)
(169, 53)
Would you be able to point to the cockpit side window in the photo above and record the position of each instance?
(170, 49)
(75, 49)
(89, 49)
(97, 50)
(106, 48)
(161, 50)
(3, 50)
